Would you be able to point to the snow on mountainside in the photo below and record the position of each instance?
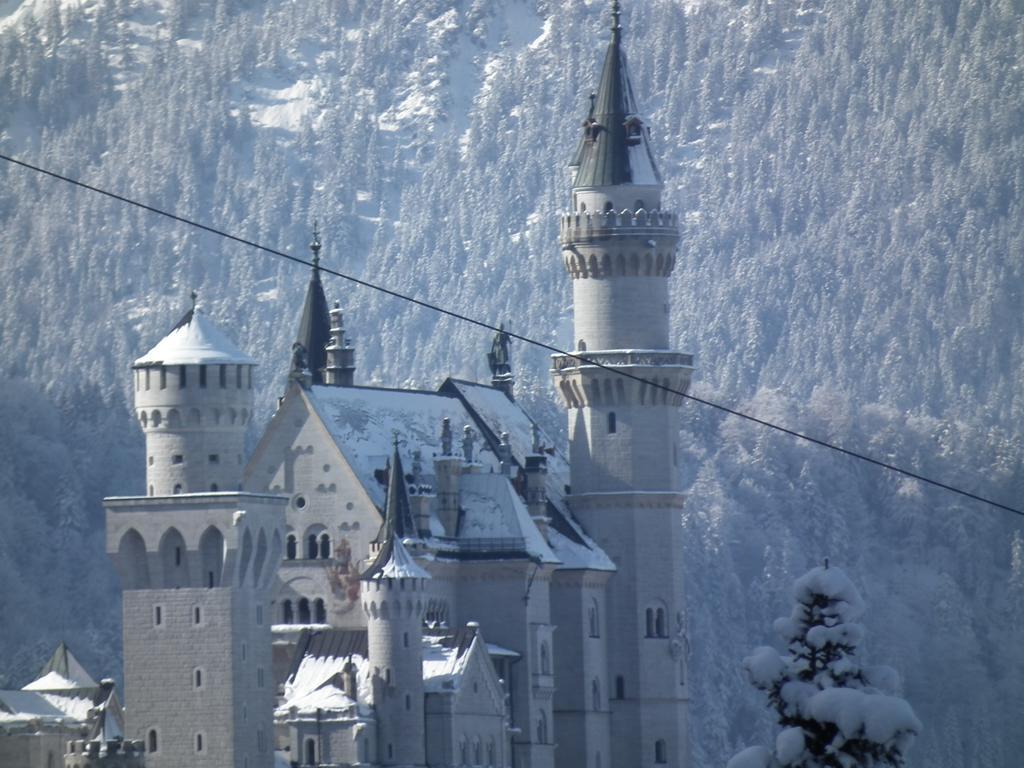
(851, 178)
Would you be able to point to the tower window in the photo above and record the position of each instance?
(163, 377)
(291, 547)
(259, 615)
(177, 555)
(197, 678)
(248, 371)
(147, 379)
(215, 458)
(612, 425)
(199, 742)
(197, 615)
(182, 376)
(259, 677)
(177, 459)
(238, 377)
(223, 373)
(660, 751)
(594, 617)
(310, 752)
(177, 488)
(620, 687)
(158, 615)
(408, 702)
(153, 743)
(202, 376)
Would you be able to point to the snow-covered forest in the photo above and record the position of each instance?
(851, 177)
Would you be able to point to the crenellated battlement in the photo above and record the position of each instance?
(589, 383)
(585, 227)
(83, 753)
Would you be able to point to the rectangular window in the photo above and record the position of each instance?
(223, 376)
(158, 615)
(163, 377)
(215, 458)
(248, 371)
(177, 459)
(147, 379)
(259, 615)
(259, 677)
(260, 746)
(182, 377)
(202, 376)
(238, 377)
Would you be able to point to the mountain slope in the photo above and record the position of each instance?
(851, 180)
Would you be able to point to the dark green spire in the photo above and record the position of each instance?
(315, 325)
(614, 149)
(398, 521)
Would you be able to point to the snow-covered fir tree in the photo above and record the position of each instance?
(834, 712)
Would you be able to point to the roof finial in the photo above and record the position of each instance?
(616, 26)
(315, 245)
(193, 296)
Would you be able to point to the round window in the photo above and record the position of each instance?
(349, 506)
(300, 502)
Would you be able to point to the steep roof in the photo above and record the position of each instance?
(195, 340)
(614, 148)
(315, 327)
(63, 672)
(393, 560)
(361, 421)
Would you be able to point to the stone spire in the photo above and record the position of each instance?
(315, 325)
(614, 149)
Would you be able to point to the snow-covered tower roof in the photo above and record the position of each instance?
(195, 340)
(615, 147)
(393, 560)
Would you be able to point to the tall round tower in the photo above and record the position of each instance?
(394, 600)
(194, 400)
(619, 248)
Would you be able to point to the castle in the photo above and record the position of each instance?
(419, 578)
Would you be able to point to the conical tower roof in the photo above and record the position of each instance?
(195, 340)
(393, 560)
(615, 147)
(315, 325)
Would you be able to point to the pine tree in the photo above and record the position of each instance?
(834, 713)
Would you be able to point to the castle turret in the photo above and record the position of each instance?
(619, 248)
(448, 473)
(194, 400)
(196, 561)
(394, 600)
(341, 357)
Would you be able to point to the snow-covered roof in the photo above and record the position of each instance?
(63, 672)
(314, 684)
(22, 706)
(363, 421)
(195, 340)
(397, 565)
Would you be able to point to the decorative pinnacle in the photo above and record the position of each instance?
(193, 296)
(315, 245)
(616, 26)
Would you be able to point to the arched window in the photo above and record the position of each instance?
(608, 207)
(177, 488)
(312, 547)
(310, 752)
(612, 425)
(545, 659)
(491, 753)
(595, 694)
(291, 547)
(542, 728)
(620, 687)
(325, 546)
(660, 751)
(463, 752)
(478, 754)
(594, 619)
(649, 626)
(152, 744)
(319, 611)
(660, 625)
(303, 611)
(581, 346)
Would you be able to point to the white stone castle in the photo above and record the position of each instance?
(418, 578)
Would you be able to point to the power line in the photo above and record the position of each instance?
(525, 339)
